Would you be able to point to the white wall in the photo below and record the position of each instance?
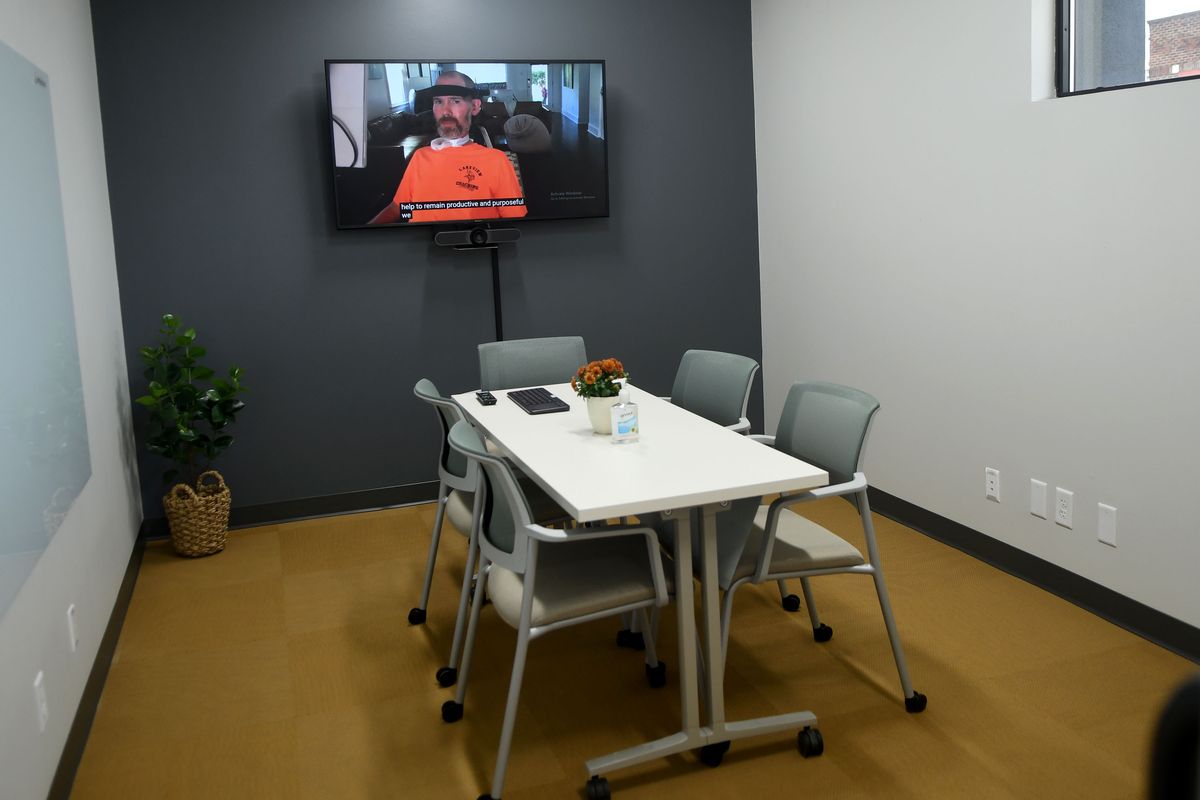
(85, 561)
(1015, 279)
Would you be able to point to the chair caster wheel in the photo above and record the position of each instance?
(484, 797)
(810, 742)
(791, 603)
(597, 788)
(823, 633)
(416, 616)
(634, 641)
(451, 711)
(447, 676)
(657, 676)
(915, 704)
(712, 754)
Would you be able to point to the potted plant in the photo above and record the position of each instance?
(597, 383)
(189, 412)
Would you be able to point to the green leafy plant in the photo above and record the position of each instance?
(189, 408)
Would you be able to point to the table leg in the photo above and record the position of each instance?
(691, 735)
(717, 728)
(714, 684)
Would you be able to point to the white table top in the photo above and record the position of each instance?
(680, 460)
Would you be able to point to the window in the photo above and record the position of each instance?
(1111, 44)
(397, 85)
(485, 73)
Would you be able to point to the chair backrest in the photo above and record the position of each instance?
(526, 134)
(826, 424)
(454, 469)
(503, 537)
(714, 385)
(530, 362)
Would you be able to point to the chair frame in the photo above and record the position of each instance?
(528, 538)
(855, 488)
(448, 481)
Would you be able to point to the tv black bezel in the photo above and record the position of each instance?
(506, 222)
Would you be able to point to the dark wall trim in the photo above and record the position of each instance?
(1149, 623)
(81, 726)
(323, 506)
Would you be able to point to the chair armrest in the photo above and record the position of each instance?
(762, 438)
(554, 536)
(835, 490)
(558, 536)
(741, 426)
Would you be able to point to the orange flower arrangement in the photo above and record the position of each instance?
(599, 378)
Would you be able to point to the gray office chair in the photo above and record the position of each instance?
(517, 363)
(715, 386)
(457, 477)
(540, 579)
(826, 425)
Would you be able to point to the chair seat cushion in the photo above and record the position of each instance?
(576, 578)
(460, 507)
(800, 544)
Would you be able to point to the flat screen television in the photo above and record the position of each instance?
(465, 143)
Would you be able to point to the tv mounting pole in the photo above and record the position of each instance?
(482, 238)
(496, 294)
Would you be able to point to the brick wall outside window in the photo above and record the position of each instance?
(1174, 42)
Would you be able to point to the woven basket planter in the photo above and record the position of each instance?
(199, 518)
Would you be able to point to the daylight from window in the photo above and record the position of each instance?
(1116, 43)
(1172, 39)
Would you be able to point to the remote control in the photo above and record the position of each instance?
(485, 398)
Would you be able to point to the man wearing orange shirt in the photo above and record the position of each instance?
(454, 178)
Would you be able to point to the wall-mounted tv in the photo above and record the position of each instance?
(467, 142)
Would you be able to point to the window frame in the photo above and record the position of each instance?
(1063, 59)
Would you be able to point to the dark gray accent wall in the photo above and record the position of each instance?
(216, 140)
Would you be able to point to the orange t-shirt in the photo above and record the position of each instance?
(453, 175)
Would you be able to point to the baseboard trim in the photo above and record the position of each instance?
(1149, 623)
(309, 507)
(85, 713)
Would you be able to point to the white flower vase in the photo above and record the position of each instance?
(600, 413)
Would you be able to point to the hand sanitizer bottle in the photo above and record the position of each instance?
(624, 420)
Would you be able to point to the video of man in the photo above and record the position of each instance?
(428, 143)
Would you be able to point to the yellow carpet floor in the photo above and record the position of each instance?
(285, 667)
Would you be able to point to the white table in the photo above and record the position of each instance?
(680, 462)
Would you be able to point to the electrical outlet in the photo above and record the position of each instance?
(1064, 507)
(39, 697)
(991, 484)
(1037, 498)
(72, 628)
(1106, 526)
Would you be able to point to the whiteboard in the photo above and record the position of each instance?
(44, 458)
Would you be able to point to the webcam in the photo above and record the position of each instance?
(476, 237)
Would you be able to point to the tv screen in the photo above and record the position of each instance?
(467, 142)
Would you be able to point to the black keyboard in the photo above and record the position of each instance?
(537, 401)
